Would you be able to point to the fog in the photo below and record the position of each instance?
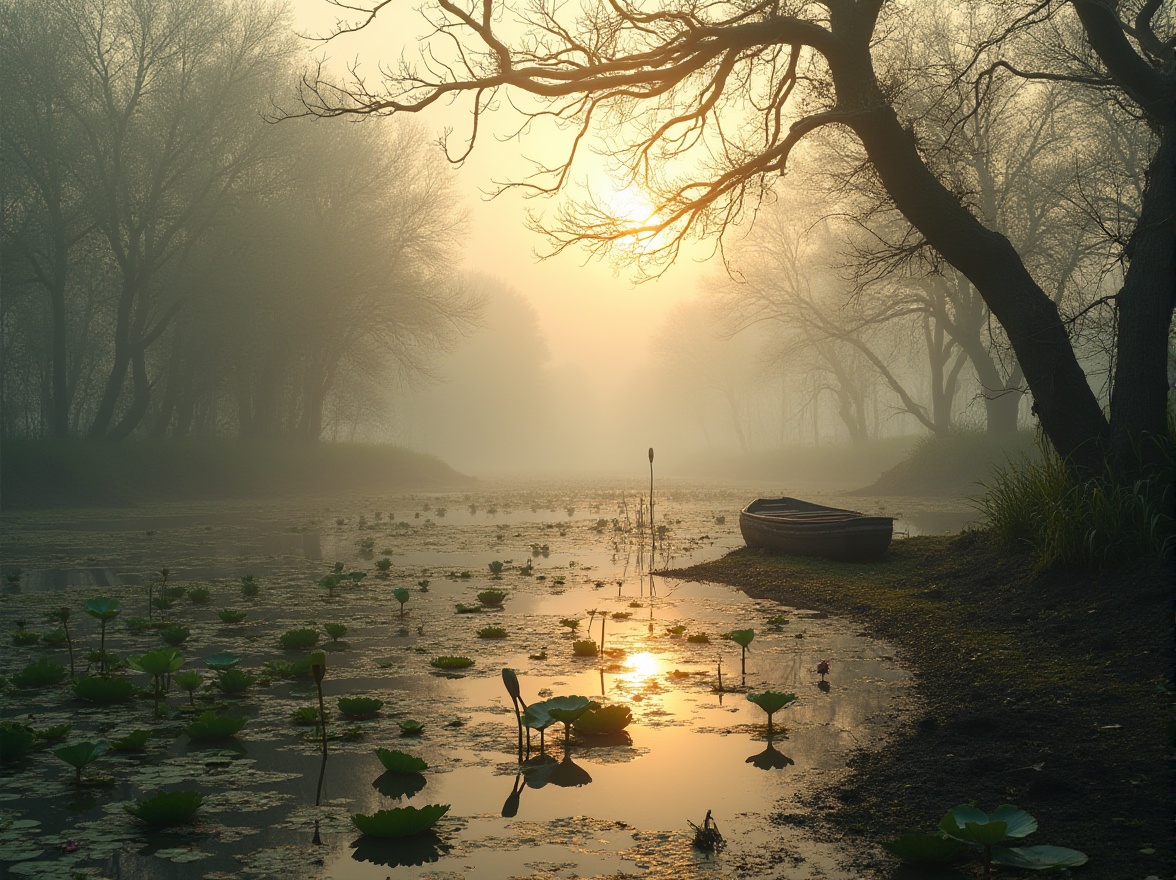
(178, 263)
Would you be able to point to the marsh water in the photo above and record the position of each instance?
(581, 807)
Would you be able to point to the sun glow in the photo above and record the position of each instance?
(631, 207)
(642, 666)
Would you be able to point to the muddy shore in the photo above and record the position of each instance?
(1051, 691)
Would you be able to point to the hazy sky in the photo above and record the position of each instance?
(593, 318)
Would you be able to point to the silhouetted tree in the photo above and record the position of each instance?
(673, 85)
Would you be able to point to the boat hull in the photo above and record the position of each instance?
(800, 528)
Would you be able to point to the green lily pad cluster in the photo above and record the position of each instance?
(967, 827)
(400, 821)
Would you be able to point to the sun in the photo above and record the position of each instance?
(642, 666)
(631, 207)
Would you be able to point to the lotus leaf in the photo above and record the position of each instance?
(395, 761)
(335, 630)
(451, 662)
(305, 715)
(1038, 858)
(492, 632)
(222, 660)
(585, 648)
(360, 707)
(603, 721)
(175, 635)
(299, 638)
(399, 821)
(972, 825)
(80, 754)
(409, 727)
(209, 725)
(102, 607)
(166, 808)
(134, 741)
(742, 637)
(566, 709)
(918, 848)
(467, 609)
(39, 673)
(16, 741)
(199, 595)
(230, 615)
(401, 595)
(103, 689)
(233, 681)
(491, 598)
(161, 661)
(771, 701)
(55, 639)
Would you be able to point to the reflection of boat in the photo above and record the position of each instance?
(801, 528)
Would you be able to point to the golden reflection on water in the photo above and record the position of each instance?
(641, 669)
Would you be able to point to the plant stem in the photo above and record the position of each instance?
(322, 716)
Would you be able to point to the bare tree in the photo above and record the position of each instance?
(677, 83)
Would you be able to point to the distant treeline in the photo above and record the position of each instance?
(177, 265)
(53, 473)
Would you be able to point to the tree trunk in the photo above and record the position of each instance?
(140, 399)
(59, 393)
(1139, 397)
(1068, 409)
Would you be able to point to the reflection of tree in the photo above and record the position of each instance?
(402, 852)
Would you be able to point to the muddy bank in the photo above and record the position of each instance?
(1049, 691)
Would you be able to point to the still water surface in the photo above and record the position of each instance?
(274, 808)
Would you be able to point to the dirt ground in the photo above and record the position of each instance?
(1051, 691)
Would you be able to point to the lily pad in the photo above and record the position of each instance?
(1038, 858)
(395, 761)
(919, 848)
(166, 808)
(603, 721)
(399, 821)
(222, 660)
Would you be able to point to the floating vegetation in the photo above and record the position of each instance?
(604, 720)
(221, 661)
(706, 836)
(451, 662)
(290, 669)
(360, 707)
(395, 761)
(675, 631)
(467, 609)
(698, 639)
(249, 587)
(199, 595)
(40, 673)
(299, 639)
(135, 741)
(305, 715)
(496, 568)
(16, 741)
(80, 755)
(492, 632)
(585, 648)
(175, 635)
(231, 615)
(492, 598)
(104, 689)
(410, 727)
(233, 681)
(167, 808)
(572, 623)
(399, 821)
(335, 630)
(210, 726)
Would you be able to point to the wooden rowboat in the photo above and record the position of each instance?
(801, 528)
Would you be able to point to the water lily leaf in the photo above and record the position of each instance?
(568, 709)
(1018, 822)
(742, 637)
(919, 848)
(80, 754)
(222, 660)
(395, 761)
(771, 701)
(399, 821)
(102, 607)
(603, 721)
(971, 825)
(161, 661)
(536, 717)
(166, 808)
(1038, 858)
